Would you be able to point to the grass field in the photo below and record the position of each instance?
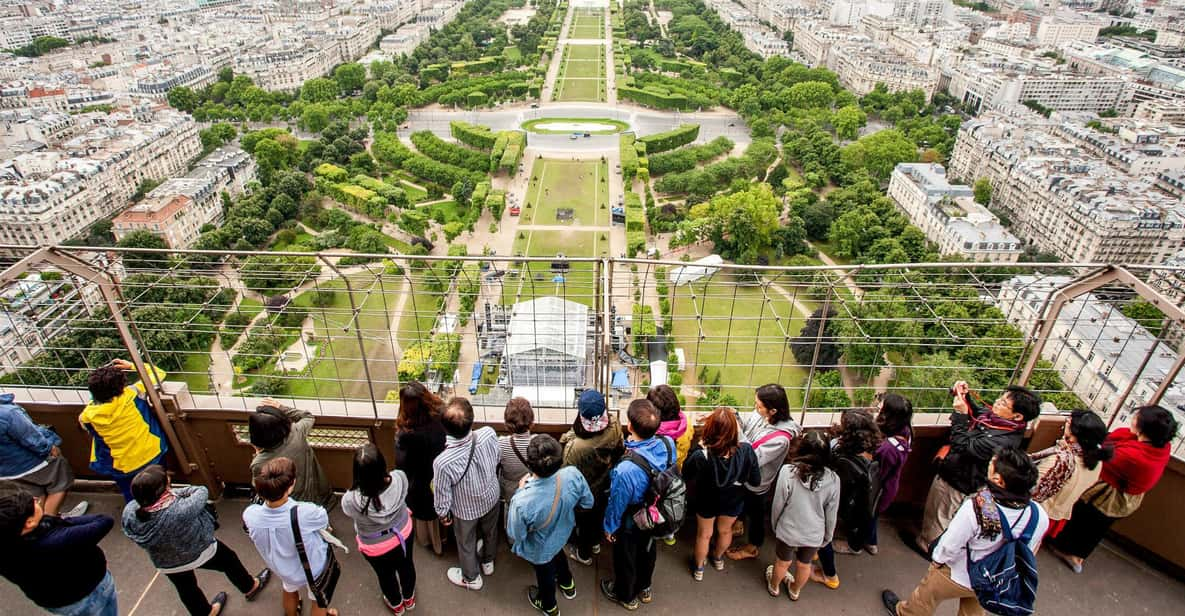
(538, 280)
(580, 185)
(744, 335)
(587, 25)
(582, 74)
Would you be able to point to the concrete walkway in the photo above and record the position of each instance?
(1114, 583)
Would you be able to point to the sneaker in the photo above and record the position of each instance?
(717, 563)
(79, 509)
(890, 600)
(397, 610)
(487, 568)
(596, 549)
(574, 554)
(669, 539)
(409, 603)
(607, 590)
(533, 599)
(568, 591)
(842, 547)
(697, 572)
(871, 549)
(644, 595)
(456, 577)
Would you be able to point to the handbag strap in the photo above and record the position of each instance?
(304, 558)
(559, 481)
(472, 450)
(517, 454)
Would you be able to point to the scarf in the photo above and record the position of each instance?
(1065, 461)
(163, 502)
(987, 502)
(990, 420)
(1136, 466)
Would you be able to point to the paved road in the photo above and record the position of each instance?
(642, 121)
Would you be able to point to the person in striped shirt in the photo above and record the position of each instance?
(466, 492)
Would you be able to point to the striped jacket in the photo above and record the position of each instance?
(468, 495)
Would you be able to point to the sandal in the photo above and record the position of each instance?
(769, 587)
(744, 552)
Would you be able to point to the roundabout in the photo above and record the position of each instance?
(560, 126)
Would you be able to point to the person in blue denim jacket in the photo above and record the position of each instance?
(541, 517)
(29, 455)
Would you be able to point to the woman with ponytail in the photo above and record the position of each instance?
(176, 528)
(1071, 466)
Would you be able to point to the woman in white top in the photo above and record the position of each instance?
(1070, 467)
(378, 505)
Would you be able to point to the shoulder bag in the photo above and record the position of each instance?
(323, 585)
(555, 503)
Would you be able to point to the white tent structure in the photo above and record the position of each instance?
(547, 343)
(695, 270)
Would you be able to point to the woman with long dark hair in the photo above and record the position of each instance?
(177, 530)
(894, 418)
(377, 504)
(1068, 469)
(419, 439)
(855, 441)
(1142, 452)
(805, 506)
(771, 432)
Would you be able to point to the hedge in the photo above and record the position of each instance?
(472, 135)
(487, 64)
(357, 198)
(496, 202)
(477, 99)
(333, 173)
(686, 159)
(629, 156)
(393, 194)
(644, 328)
(651, 98)
(635, 220)
(437, 172)
(438, 149)
(388, 149)
(480, 192)
(635, 242)
(662, 142)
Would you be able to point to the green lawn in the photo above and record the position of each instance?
(587, 32)
(544, 126)
(444, 211)
(195, 371)
(302, 243)
(582, 74)
(578, 185)
(743, 335)
(538, 280)
(581, 90)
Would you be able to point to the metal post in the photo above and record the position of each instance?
(1131, 384)
(357, 333)
(810, 376)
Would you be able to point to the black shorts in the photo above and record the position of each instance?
(803, 555)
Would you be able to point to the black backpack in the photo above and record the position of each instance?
(665, 503)
(859, 495)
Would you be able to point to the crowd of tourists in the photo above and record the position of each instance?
(625, 484)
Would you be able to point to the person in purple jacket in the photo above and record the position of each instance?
(893, 417)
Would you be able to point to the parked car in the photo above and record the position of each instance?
(514, 210)
(587, 135)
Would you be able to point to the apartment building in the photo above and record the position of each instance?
(990, 82)
(949, 216)
(1161, 112)
(179, 208)
(1096, 349)
(38, 307)
(1133, 150)
(1065, 201)
(54, 194)
(1065, 26)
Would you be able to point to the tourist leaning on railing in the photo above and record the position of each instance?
(771, 431)
(1142, 452)
(856, 440)
(29, 455)
(378, 505)
(512, 466)
(1071, 466)
(126, 434)
(805, 507)
(279, 431)
(419, 438)
(593, 445)
(976, 433)
(717, 472)
(176, 528)
(55, 561)
(893, 420)
(982, 524)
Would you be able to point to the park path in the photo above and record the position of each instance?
(847, 278)
(547, 94)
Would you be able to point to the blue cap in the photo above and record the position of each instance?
(591, 404)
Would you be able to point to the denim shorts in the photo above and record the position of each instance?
(101, 602)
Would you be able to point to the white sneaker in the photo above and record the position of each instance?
(79, 509)
(487, 568)
(456, 577)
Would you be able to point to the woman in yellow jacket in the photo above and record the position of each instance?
(126, 434)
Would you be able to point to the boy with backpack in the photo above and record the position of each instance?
(985, 559)
(647, 500)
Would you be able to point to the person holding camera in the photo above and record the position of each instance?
(976, 434)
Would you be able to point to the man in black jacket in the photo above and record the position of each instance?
(976, 433)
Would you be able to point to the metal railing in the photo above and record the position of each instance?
(345, 330)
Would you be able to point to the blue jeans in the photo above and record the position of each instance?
(101, 602)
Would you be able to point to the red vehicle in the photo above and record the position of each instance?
(514, 210)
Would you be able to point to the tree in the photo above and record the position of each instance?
(928, 379)
(890, 328)
(848, 121)
(350, 77)
(226, 74)
(319, 90)
(1148, 316)
(827, 392)
(810, 95)
(143, 260)
(803, 345)
(741, 224)
(983, 191)
(183, 99)
(314, 118)
(880, 152)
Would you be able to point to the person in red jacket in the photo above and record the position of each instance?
(1141, 454)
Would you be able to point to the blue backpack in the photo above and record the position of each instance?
(1005, 581)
